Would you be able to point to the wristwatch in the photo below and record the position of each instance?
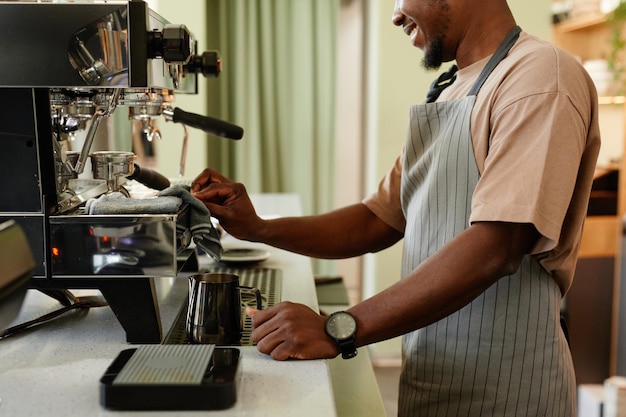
(341, 326)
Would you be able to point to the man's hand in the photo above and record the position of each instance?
(291, 331)
(228, 201)
(206, 178)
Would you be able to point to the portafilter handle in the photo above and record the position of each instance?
(149, 178)
(208, 124)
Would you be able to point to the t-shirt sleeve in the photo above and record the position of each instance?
(385, 202)
(531, 167)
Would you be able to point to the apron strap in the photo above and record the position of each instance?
(447, 78)
(441, 83)
(495, 59)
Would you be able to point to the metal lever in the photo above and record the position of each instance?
(91, 133)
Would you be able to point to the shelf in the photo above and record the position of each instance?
(580, 23)
(611, 100)
(591, 37)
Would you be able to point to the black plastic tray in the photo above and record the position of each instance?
(217, 391)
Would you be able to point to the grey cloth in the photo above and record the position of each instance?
(193, 217)
(116, 203)
(197, 221)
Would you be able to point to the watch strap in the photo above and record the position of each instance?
(348, 348)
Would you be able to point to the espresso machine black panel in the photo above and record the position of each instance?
(100, 43)
(65, 67)
(27, 189)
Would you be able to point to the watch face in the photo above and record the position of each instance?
(341, 326)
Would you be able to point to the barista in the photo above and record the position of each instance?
(489, 193)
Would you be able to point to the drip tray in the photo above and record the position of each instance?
(267, 280)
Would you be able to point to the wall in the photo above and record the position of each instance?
(395, 80)
(349, 127)
(168, 150)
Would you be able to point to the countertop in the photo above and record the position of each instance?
(55, 368)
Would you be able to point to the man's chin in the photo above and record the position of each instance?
(431, 63)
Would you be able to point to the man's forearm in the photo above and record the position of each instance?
(343, 233)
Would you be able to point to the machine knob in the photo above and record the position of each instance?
(177, 44)
(174, 44)
(208, 64)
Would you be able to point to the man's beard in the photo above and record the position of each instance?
(433, 57)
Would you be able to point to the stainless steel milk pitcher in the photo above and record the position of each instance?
(214, 313)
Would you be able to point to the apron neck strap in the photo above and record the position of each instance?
(441, 83)
(495, 59)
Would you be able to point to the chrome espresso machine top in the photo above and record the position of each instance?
(65, 68)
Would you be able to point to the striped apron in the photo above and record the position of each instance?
(504, 354)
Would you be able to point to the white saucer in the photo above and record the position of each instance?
(243, 255)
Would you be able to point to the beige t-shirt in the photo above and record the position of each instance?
(536, 139)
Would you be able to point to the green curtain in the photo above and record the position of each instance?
(278, 83)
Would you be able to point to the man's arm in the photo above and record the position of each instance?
(444, 283)
(350, 231)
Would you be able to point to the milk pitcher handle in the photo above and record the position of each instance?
(257, 295)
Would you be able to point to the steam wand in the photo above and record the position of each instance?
(183, 153)
(208, 124)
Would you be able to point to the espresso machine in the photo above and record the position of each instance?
(65, 68)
